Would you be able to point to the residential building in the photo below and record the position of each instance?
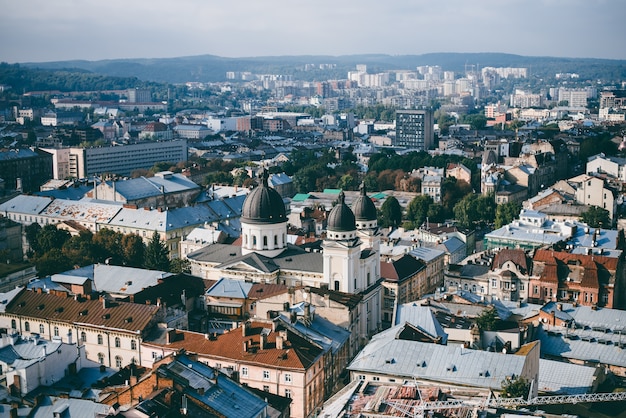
(404, 280)
(588, 280)
(110, 331)
(265, 355)
(414, 129)
(27, 362)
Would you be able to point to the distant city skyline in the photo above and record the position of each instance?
(41, 31)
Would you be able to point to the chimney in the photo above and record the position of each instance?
(170, 335)
(559, 306)
(262, 341)
(279, 342)
(244, 329)
(245, 346)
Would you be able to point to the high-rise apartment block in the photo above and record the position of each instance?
(414, 129)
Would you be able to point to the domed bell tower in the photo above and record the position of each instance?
(263, 220)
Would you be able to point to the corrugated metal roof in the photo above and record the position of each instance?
(442, 363)
(421, 317)
(558, 377)
(229, 288)
(26, 204)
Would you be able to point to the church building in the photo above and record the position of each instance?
(348, 263)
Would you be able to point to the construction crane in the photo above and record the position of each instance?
(470, 407)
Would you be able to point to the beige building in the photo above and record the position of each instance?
(111, 332)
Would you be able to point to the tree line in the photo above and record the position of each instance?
(55, 250)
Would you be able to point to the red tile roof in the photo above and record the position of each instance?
(297, 353)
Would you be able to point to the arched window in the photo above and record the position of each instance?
(13, 324)
(133, 344)
(26, 326)
(100, 339)
(264, 241)
(100, 358)
(118, 362)
(336, 284)
(276, 240)
(83, 337)
(56, 331)
(245, 238)
(117, 342)
(254, 241)
(42, 329)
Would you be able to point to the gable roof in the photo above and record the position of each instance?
(118, 315)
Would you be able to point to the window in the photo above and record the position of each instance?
(264, 241)
(361, 377)
(100, 358)
(56, 331)
(275, 240)
(117, 342)
(13, 324)
(83, 337)
(244, 371)
(288, 393)
(26, 326)
(266, 375)
(118, 362)
(287, 377)
(100, 339)
(336, 284)
(375, 378)
(535, 290)
(494, 283)
(41, 329)
(133, 344)
(266, 388)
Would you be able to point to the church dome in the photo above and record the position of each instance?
(341, 218)
(263, 205)
(363, 207)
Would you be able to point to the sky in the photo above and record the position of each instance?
(58, 30)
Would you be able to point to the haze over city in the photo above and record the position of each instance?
(37, 30)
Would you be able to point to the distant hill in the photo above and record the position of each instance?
(210, 68)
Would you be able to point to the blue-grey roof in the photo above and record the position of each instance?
(7, 297)
(585, 345)
(323, 332)
(426, 254)
(68, 408)
(451, 364)
(16, 154)
(560, 378)
(280, 178)
(451, 245)
(112, 279)
(70, 193)
(221, 394)
(229, 288)
(27, 204)
(142, 187)
(600, 319)
(422, 318)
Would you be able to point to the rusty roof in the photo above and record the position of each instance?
(118, 315)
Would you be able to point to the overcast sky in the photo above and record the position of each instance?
(54, 30)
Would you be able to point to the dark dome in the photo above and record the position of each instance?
(363, 207)
(341, 218)
(263, 205)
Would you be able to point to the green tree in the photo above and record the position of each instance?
(52, 262)
(108, 246)
(474, 209)
(32, 233)
(133, 250)
(476, 121)
(390, 213)
(517, 387)
(486, 321)
(596, 217)
(347, 182)
(157, 255)
(506, 212)
(51, 238)
(180, 265)
(79, 249)
(417, 209)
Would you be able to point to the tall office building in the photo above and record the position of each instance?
(414, 129)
